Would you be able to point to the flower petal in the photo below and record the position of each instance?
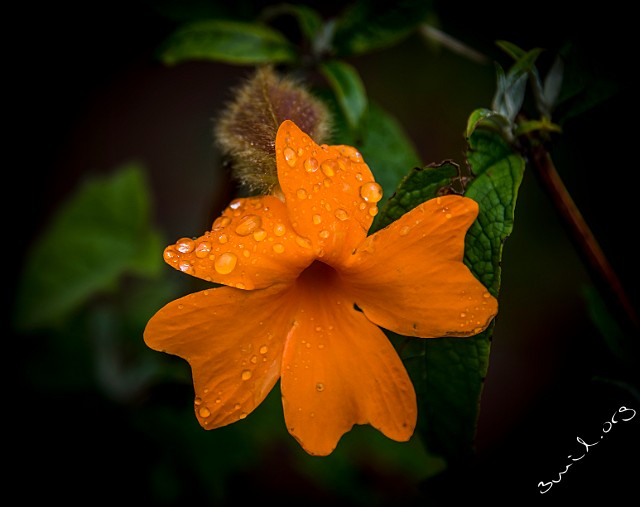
(251, 246)
(339, 370)
(232, 339)
(330, 193)
(410, 278)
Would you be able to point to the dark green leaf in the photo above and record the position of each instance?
(100, 234)
(448, 373)
(311, 23)
(348, 89)
(367, 26)
(231, 42)
(420, 185)
(486, 118)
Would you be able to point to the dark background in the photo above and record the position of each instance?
(92, 95)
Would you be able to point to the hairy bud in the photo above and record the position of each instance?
(246, 130)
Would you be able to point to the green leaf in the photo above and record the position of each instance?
(367, 26)
(420, 185)
(310, 22)
(233, 42)
(448, 373)
(100, 234)
(487, 118)
(348, 89)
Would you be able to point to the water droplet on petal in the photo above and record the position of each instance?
(259, 235)
(373, 211)
(317, 219)
(405, 230)
(264, 349)
(319, 387)
(324, 234)
(303, 242)
(290, 156)
(248, 224)
(186, 267)
(198, 401)
(311, 165)
(279, 229)
(223, 238)
(448, 215)
(221, 223)
(278, 248)
(486, 295)
(226, 263)
(204, 412)
(371, 192)
(170, 254)
(246, 375)
(203, 249)
(301, 193)
(329, 167)
(185, 245)
(341, 214)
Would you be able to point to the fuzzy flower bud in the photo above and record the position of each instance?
(246, 130)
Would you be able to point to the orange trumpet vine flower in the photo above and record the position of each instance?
(306, 290)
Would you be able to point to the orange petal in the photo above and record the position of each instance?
(410, 278)
(330, 193)
(339, 370)
(233, 341)
(251, 246)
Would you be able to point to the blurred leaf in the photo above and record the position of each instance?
(310, 22)
(366, 26)
(348, 89)
(448, 373)
(101, 233)
(226, 41)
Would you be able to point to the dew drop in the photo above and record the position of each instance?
(319, 387)
(311, 165)
(463, 315)
(329, 167)
(405, 230)
(301, 193)
(341, 214)
(279, 229)
(221, 223)
(246, 375)
(185, 245)
(223, 238)
(203, 249)
(486, 295)
(303, 242)
(371, 192)
(186, 267)
(237, 406)
(448, 215)
(204, 412)
(170, 254)
(259, 235)
(264, 349)
(243, 415)
(278, 248)
(198, 401)
(248, 225)
(226, 263)
(317, 219)
(324, 234)
(290, 156)
(373, 211)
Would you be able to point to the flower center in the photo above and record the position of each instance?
(318, 273)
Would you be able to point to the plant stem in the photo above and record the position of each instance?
(587, 244)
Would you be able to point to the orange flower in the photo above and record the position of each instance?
(306, 290)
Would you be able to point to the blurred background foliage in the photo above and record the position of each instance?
(115, 132)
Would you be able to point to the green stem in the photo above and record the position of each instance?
(588, 246)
